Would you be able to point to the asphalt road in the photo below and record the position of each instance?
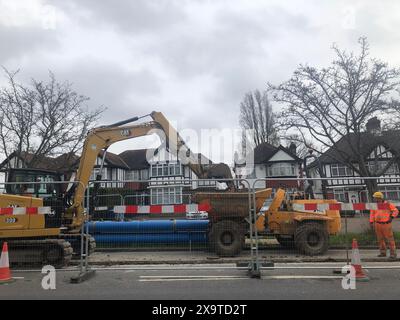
(199, 283)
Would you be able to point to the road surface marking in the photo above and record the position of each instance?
(191, 279)
(292, 277)
(184, 276)
(188, 278)
(219, 278)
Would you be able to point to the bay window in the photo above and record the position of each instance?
(281, 169)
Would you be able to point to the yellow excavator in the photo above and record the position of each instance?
(40, 239)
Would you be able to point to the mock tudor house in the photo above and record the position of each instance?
(21, 160)
(166, 180)
(154, 177)
(380, 149)
(114, 169)
(271, 164)
(66, 164)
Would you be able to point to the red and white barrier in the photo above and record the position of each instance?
(19, 211)
(340, 206)
(162, 209)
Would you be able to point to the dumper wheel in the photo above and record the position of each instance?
(312, 238)
(286, 241)
(226, 238)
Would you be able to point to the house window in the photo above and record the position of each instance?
(133, 175)
(207, 183)
(144, 174)
(376, 166)
(281, 169)
(166, 170)
(380, 165)
(95, 173)
(393, 169)
(168, 195)
(340, 195)
(391, 193)
(339, 170)
(137, 175)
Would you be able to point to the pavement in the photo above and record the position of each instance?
(208, 282)
(277, 255)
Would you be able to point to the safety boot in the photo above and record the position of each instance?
(393, 257)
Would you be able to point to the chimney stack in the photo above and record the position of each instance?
(292, 148)
(374, 126)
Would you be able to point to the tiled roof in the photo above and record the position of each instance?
(368, 142)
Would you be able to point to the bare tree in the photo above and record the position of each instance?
(333, 104)
(45, 118)
(256, 114)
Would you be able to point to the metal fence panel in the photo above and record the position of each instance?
(199, 222)
(270, 220)
(294, 220)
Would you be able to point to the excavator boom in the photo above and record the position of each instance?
(102, 138)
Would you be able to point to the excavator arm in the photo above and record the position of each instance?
(101, 138)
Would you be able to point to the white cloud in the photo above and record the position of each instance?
(29, 13)
(193, 60)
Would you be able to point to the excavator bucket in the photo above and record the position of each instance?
(261, 196)
(274, 205)
(278, 199)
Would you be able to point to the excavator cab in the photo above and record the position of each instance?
(19, 183)
(44, 189)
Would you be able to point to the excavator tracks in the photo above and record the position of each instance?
(55, 252)
(39, 252)
(75, 241)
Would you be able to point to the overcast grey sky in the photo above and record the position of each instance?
(192, 60)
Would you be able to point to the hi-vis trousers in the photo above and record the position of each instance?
(384, 233)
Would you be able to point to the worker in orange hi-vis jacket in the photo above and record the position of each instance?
(382, 221)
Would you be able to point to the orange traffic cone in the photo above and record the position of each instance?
(356, 263)
(5, 273)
